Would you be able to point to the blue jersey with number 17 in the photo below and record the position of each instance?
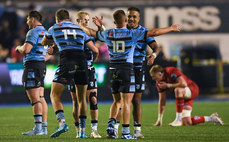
(121, 43)
(34, 37)
(67, 36)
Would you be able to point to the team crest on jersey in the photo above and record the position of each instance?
(111, 34)
(60, 25)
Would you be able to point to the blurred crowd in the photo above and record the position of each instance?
(13, 29)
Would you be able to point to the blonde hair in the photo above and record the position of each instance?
(156, 68)
(80, 13)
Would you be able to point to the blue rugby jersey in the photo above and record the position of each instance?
(121, 43)
(141, 46)
(67, 36)
(34, 37)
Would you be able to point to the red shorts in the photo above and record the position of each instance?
(195, 92)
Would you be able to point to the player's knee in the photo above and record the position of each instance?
(37, 102)
(93, 101)
(178, 92)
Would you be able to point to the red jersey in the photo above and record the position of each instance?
(171, 75)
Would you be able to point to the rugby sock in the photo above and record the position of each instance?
(60, 117)
(38, 122)
(77, 127)
(116, 125)
(82, 123)
(179, 105)
(197, 120)
(77, 124)
(125, 129)
(94, 124)
(208, 119)
(111, 122)
(179, 116)
(44, 126)
(137, 127)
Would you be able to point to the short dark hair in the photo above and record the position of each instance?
(134, 9)
(119, 16)
(62, 14)
(36, 15)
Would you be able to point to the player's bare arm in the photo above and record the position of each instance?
(161, 31)
(25, 48)
(152, 55)
(161, 108)
(88, 31)
(93, 48)
(180, 83)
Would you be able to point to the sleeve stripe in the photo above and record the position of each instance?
(48, 37)
(98, 36)
(87, 41)
(29, 42)
(151, 42)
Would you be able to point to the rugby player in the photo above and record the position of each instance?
(70, 40)
(133, 16)
(185, 90)
(83, 19)
(34, 71)
(121, 44)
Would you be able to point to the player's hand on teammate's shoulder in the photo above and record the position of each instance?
(176, 27)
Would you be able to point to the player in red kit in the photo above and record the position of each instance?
(185, 90)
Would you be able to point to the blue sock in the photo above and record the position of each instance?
(94, 123)
(111, 122)
(38, 122)
(82, 122)
(60, 115)
(125, 129)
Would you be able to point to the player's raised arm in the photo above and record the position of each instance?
(161, 108)
(161, 31)
(88, 31)
(99, 23)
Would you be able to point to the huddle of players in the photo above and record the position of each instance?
(127, 48)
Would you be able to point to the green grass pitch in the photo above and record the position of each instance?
(15, 120)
